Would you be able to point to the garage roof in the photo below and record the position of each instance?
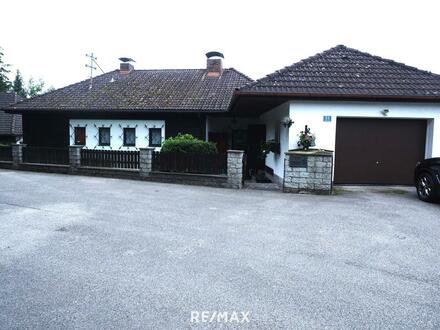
(343, 71)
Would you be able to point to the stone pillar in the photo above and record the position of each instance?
(235, 169)
(17, 154)
(74, 157)
(308, 171)
(145, 161)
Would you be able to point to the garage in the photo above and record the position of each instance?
(378, 151)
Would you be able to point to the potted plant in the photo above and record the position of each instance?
(270, 146)
(306, 139)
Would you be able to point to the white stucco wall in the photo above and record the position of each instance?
(116, 132)
(311, 113)
(271, 119)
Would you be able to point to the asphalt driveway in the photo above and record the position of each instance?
(96, 253)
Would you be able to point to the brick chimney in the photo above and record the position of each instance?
(126, 67)
(214, 64)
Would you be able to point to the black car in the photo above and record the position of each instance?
(427, 179)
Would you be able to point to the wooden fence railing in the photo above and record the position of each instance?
(110, 158)
(6, 153)
(46, 155)
(190, 163)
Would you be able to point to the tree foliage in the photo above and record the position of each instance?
(5, 84)
(18, 85)
(34, 88)
(31, 89)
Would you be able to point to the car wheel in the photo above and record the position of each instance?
(425, 187)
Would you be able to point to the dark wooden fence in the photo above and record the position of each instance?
(190, 163)
(6, 153)
(45, 155)
(110, 158)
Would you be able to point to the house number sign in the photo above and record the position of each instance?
(327, 118)
(298, 161)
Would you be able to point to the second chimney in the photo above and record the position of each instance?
(126, 67)
(214, 64)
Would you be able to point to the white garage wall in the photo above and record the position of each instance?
(311, 113)
(116, 132)
(270, 119)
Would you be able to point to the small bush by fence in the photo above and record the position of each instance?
(214, 163)
(110, 158)
(45, 155)
(188, 144)
(6, 153)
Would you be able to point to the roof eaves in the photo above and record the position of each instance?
(422, 98)
(113, 110)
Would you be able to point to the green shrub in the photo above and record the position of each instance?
(187, 143)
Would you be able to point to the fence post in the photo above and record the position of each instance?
(74, 158)
(235, 169)
(145, 161)
(17, 154)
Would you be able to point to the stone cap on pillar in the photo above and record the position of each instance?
(236, 151)
(310, 152)
(19, 144)
(76, 146)
(147, 148)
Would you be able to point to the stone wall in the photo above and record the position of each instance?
(235, 169)
(190, 179)
(308, 171)
(233, 179)
(145, 161)
(17, 154)
(74, 157)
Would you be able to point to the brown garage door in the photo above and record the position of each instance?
(378, 151)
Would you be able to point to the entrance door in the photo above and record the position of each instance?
(378, 151)
(256, 136)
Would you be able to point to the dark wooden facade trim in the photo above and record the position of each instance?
(52, 130)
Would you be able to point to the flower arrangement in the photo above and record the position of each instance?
(306, 139)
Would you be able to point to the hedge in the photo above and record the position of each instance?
(186, 143)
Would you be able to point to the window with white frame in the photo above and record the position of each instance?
(155, 137)
(104, 136)
(129, 137)
(80, 136)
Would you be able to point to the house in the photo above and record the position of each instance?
(10, 124)
(380, 117)
(127, 109)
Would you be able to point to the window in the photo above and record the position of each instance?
(155, 137)
(80, 136)
(104, 136)
(129, 137)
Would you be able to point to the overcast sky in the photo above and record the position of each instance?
(49, 39)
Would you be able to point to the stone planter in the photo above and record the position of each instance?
(308, 171)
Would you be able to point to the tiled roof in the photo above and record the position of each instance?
(152, 90)
(10, 124)
(343, 71)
